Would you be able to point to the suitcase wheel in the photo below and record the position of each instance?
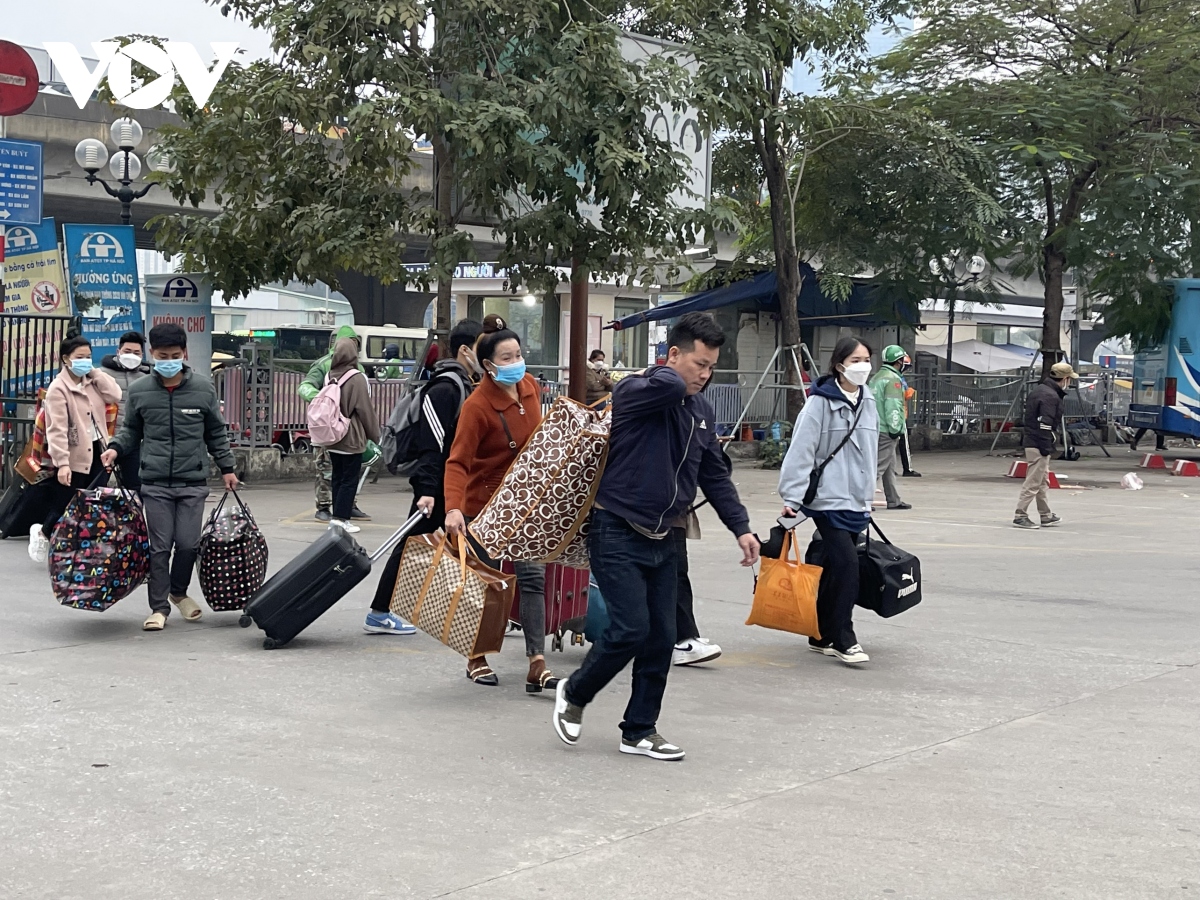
(269, 644)
(245, 621)
(557, 642)
(576, 639)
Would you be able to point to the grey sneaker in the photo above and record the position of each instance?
(654, 746)
(1023, 521)
(568, 718)
(1052, 519)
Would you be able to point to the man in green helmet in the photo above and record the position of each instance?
(309, 388)
(887, 387)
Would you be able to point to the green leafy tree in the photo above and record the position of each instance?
(1089, 110)
(530, 109)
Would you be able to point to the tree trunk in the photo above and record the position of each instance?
(445, 209)
(577, 361)
(787, 278)
(1055, 265)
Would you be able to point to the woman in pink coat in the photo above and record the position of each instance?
(75, 434)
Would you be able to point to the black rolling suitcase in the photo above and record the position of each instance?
(19, 508)
(300, 593)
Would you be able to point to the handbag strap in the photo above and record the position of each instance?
(849, 434)
(878, 531)
(433, 567)
(512, 445)
(458, 592)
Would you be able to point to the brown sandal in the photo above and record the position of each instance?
(480, 672)
(540, 678)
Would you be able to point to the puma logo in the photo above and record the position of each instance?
(907, 577)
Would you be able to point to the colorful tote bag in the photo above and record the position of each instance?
(539, 512)
(100, 550)
(232, 561)
(451, 595)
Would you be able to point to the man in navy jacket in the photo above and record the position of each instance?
(663, 445)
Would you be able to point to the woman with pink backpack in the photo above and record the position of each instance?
(341, 419)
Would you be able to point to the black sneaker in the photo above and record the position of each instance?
(1052, 519)
(568, 718)
(654, 746)
(825, 647)
(911, 474)
(357, 513)
(852, 655)
(900, 505)
(1023, 521)
(323, 515)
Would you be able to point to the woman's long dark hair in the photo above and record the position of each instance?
(70, 345)
(844, 348)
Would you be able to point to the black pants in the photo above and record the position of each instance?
(1160, 442)
(839, 585)
(685, 619)
(56, 497)
(344, 482)
(387, 580)
(130, 464)
(905, 453)
(637, 577)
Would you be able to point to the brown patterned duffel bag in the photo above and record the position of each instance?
(539, 513)
(453, 596)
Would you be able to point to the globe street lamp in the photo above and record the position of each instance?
(125, 165)
(945, 269)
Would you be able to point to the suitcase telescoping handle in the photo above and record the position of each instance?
(397, 536)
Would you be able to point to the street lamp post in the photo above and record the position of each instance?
(945, 268)
(125, 165)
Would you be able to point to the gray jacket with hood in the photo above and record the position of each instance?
(848, 482)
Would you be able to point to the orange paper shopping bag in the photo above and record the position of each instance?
(785, 593)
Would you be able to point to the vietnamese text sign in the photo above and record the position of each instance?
(103, 283)
(20, 183)
(185, 300)
(33, 272)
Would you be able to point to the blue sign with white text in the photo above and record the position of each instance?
(103, 283)
(20, 183)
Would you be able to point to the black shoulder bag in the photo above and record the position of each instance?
(814, 477)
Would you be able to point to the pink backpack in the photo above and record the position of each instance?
(326, 423)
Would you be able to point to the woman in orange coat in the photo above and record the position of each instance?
(496, 422)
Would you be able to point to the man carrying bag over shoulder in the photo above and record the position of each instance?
(663, 445)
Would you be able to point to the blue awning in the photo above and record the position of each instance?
(814, 307)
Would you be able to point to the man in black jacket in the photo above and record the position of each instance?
(441, 401)
(1043, 416)
(127, 366)
(663, 445)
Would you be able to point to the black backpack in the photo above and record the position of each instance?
(399, 435)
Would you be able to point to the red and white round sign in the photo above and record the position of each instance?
(18, 79)
(45, 296)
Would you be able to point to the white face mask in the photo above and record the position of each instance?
(857, 373)
(130, 360)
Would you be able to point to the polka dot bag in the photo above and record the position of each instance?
(232, 562)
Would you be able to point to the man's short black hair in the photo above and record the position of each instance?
(132, 337)
(692, 327)
(166, 335)
(464, 334)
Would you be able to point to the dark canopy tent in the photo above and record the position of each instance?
(815, 308)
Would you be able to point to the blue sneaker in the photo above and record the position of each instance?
(387, 623)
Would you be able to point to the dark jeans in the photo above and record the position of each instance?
(174, 518)
(387, 581)
(344, 482)
(637, 576)
(1160, 441)
(905, 453)
(839, 585)
(57, 497)
(685, 619)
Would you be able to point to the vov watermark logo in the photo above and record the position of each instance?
(173, 57)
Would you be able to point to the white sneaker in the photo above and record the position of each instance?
(694, 651)
(348, 527)
(39, 546)
(655, 746)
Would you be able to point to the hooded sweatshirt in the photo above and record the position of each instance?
(848, 482)
(315, 379)
(356, 399)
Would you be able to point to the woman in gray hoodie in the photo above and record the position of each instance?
(829, 476)
(347, 454)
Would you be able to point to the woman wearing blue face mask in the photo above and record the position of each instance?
(76, 434)
(496, 422)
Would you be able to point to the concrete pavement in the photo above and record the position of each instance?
(1029, 731)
